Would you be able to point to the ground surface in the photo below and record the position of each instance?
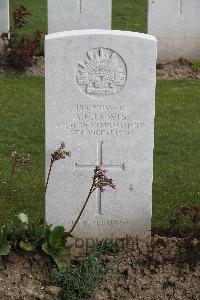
(26, 277)
(177, 70)
(134, 275)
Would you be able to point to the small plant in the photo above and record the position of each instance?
(191, 213)
(81, 281)
(58, 154)
(191, 240)
(5, 245)
(20, 17)
(17, 162)
(18, 51)
(30, 236)
(56, 247)
(184, 225)
(196, 65)
(100, 180)
(107, 248)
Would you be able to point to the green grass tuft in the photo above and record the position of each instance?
(196, 65)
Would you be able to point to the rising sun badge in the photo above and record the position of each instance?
(103, 72)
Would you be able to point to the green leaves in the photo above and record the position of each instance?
(5, 249)
(5, 232)
(30, 235)
(196, 65)
(56, 236)
(81, 282)
(56, 247)
(23, 218)
(27, 246)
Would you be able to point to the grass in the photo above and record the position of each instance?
(130, 15)
(177, 152)
(22, 129)
(127, 14)
(176, 157)
(38, 18)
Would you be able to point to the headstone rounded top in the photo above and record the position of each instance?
(100, 32)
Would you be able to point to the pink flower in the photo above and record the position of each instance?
(62, 144)
(101, 180)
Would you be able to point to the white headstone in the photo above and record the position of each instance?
(100, 91)
(4, 16)
(66, 15)
(176, 25)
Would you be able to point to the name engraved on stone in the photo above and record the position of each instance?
(99, 162)
(101, 120)
(103, 72)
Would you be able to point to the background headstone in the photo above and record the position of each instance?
(66, 15)
(4, 16)
(176, 25)
(100, 91)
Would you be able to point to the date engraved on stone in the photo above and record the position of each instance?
(102, 72)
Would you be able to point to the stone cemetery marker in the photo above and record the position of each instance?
(4, 16)
(66, 15)
(176, 25)
(100, 92)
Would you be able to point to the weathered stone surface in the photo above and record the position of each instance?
(4, 16)
(66, 15)
(4, 19)
(100, 92)
(176, 25)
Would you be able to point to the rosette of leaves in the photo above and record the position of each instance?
(30, 235)
(5, 233)
(56, 247)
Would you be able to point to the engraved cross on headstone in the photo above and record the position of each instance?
(99, 162)
(180, 7)
(80, 6)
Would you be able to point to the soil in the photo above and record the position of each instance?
(37, 69)
(26, 277)
(177, 70)
(135, 274)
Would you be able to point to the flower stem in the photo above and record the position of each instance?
(92, 189)
(7, 193)
(48, 176)
(45, 189)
